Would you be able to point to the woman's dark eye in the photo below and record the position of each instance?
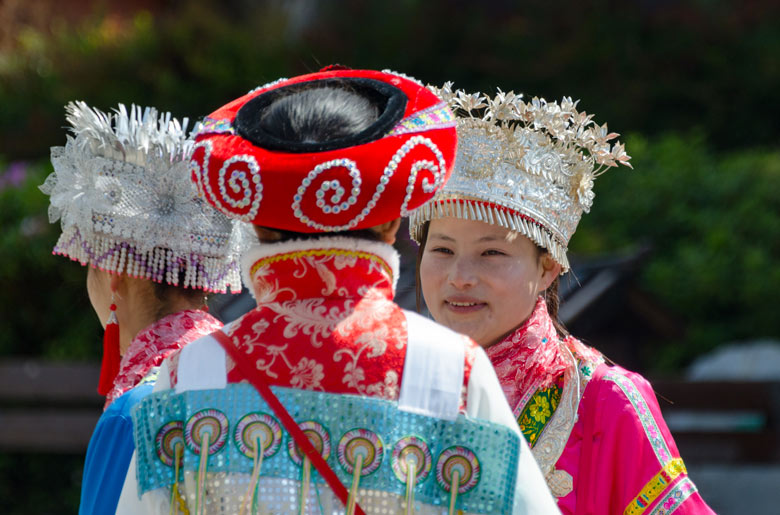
(493, 253)
(442, 250)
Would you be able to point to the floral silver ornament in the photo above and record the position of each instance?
(526, 166)
(121, 188)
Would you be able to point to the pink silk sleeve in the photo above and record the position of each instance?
(630, 463)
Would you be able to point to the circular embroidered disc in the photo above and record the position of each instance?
(262, 425)
(208, 421)
(360, 442)
(167, 438)
(317, 435)
(411, 451)
(460, 459)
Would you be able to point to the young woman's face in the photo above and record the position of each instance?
(480, 279)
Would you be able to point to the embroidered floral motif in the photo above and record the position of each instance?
(307, 374)
(540, 409)
(655, 487)
(530, 358)
(537, 413)
(152, 345)
(675, 498)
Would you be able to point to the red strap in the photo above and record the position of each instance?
(287, 421)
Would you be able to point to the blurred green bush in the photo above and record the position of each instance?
(713, 222)
(44, 302)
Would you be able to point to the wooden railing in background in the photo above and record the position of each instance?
(53, 407)
(48, 407)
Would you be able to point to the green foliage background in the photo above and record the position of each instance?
(690, 84)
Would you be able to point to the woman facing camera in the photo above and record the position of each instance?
(153, 249)
(492, 247)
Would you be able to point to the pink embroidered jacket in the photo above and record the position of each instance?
(598, 433)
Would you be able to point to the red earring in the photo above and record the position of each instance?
(110, 366)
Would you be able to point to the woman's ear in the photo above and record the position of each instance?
(387, 230)
(116, 282)
(550, 271)
(266, 235)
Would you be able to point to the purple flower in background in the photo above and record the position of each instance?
(14, 175)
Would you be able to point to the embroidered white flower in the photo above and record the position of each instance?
(307, 375)
(387, 389)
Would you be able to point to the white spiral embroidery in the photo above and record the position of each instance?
(249, 189)
(336, 205)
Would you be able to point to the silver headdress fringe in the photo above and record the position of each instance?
(527, 167)
(121, 187)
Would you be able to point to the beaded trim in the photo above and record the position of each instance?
(212, 274)
(438, 116)
(488, 212)
(487, 466)
(214, 126)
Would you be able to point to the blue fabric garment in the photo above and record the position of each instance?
(108, 454)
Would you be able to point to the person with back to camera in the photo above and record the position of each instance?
(355, 406)
(153, 250)
(492, 247)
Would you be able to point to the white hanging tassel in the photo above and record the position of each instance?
(259, 450)
(411, 478)
(454, 485)
(352, 499)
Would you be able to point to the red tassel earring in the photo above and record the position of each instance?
(110, 366)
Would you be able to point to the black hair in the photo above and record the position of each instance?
(321, 115)
(318, 116)
(164, 293)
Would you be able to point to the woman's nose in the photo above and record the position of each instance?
(461, 273)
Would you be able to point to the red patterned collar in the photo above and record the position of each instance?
(150, 347)
(530, 357)
(325, 318)
(279, 272)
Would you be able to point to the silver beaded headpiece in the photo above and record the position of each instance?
(528, 167)
(122, 190)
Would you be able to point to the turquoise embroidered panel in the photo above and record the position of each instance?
(341, 426)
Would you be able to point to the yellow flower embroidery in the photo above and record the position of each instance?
(540, 409)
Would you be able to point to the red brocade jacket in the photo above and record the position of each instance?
(326, 321)
(595, 430)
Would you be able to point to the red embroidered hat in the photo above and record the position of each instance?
(390, 168)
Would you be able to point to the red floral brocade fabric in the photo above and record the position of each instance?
(325, 321)
(152, 345)
(529, 357)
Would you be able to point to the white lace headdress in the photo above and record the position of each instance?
(122, 190)
(525, 166)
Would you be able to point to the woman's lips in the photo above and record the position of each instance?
(464, 306)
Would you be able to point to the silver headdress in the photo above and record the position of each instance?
(122, 190)
(528, 167)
